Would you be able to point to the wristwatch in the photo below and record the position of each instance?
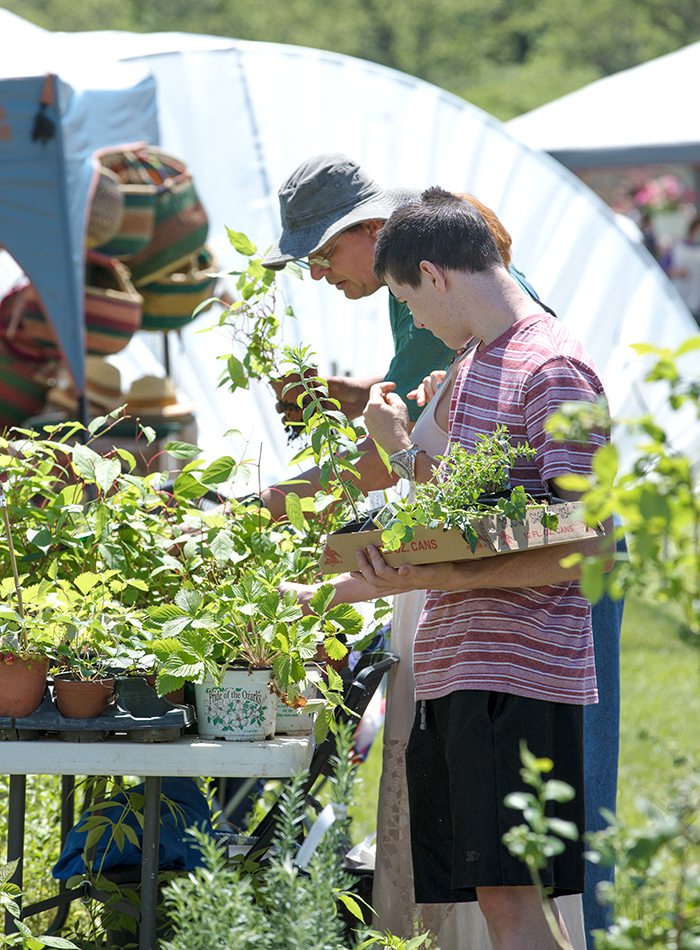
(403, 462)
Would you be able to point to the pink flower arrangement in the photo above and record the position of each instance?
(665, 193)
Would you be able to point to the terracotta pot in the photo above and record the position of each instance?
(82, 699)
(177, 696)
(22, 685)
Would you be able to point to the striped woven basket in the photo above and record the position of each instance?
(136, 229)
(169, 302)
(181, 223)
(22, 388)
(139, 195)
(113, 307)
(112, 313)
(106, 210)
(24, 326)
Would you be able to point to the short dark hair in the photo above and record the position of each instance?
(441, 228)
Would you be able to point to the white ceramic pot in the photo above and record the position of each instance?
(296, 722)
(242, 709)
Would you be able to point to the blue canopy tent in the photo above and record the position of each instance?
(51, 123)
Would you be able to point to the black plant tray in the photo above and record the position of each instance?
(137, 713)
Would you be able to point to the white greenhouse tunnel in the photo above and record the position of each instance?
(244, 114)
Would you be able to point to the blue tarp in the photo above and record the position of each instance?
(46, 181)
(182, 806)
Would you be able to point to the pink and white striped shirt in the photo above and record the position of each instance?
(535, 641)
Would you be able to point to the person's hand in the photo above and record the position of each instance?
(386, 417)
(427, 390)
(287, 404)
(383, 580)
(302, 592)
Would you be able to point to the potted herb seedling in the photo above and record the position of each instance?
(89, 621)
(24, 651)
(244, 631)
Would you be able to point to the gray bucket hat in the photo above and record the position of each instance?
(326, 195)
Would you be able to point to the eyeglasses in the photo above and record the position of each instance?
(322, 260)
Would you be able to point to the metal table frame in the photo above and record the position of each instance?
(186, 757)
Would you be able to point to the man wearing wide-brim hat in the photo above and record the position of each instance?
(332, 213)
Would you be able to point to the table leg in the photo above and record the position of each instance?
(67, 822)
(149, 862)
(15, 836)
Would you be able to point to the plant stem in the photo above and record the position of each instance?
(13, 560)
(552, 921)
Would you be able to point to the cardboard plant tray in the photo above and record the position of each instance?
(137, 713)
(497, 535)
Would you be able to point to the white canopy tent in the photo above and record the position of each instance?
(244, 114)
(638, 116)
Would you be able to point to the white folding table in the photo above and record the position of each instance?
(187, 757)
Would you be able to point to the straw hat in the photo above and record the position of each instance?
(156, 396)
(103, 387)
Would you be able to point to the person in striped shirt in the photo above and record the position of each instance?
(503, 650)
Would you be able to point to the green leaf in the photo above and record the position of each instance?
(87, 581)
(295, 514)
(351, 904)
(106, 473)
(219, 471)
(7, 870)
(556, 791)
(321, 600)
(127, 457)
(182, 450)
(691, 344)
(335, 649)
(222, 546)
(573, 483)
(518, 800)
(347, 617)
(94, 834)
(187, 486)
(564, 829)
(84, 461)
(48, 941)
(238, 376)
(241, 242)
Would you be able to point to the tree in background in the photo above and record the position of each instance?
(506, 56)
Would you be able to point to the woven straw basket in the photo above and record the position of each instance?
(113, 307)
(181, 223)
(169, 302)
(24, 326)
(112, 313)
(138, 193)
(106, 210)
(22, 389)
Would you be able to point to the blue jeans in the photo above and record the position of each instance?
(601, 742)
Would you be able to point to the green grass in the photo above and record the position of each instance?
(660, 712)
(660, 704)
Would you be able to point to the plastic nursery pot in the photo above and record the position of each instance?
(296, 722)
(242, 709)
(82, 699)
(177, 696)
(22, 684)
